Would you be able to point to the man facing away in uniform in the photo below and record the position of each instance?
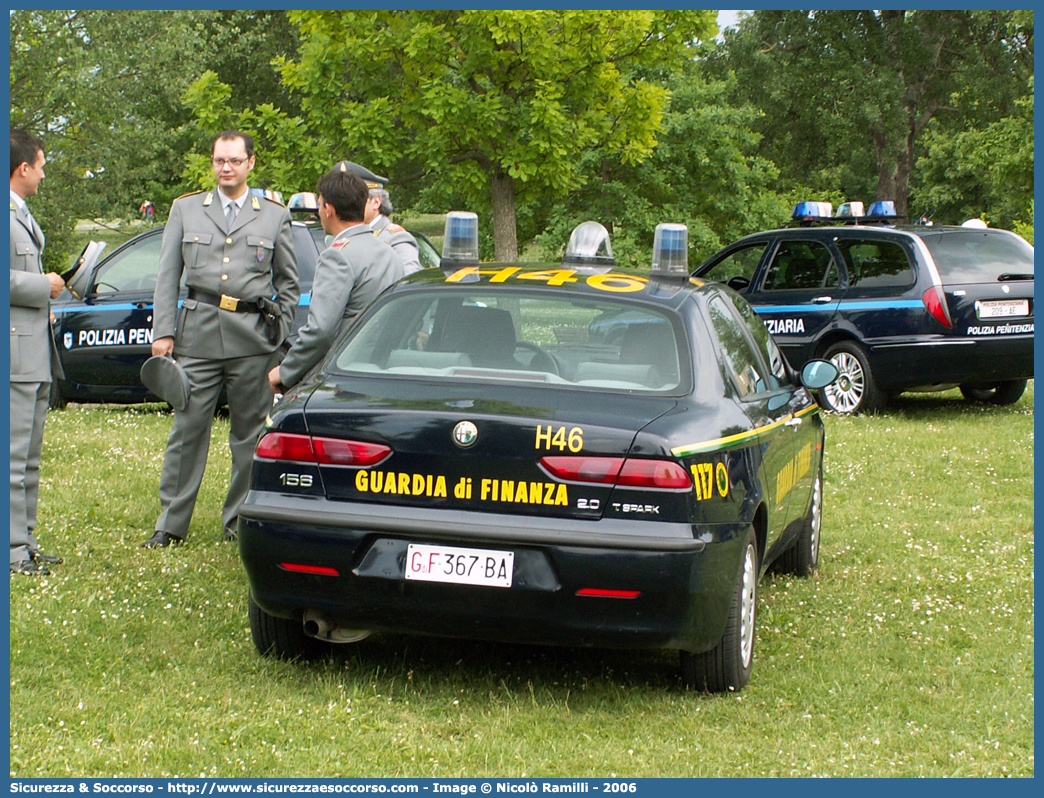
(34, 359)
(350, 273)
(235, 252)
(378, 209)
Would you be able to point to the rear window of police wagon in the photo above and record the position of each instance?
(980, 256)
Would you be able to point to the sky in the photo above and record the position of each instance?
(727, 18)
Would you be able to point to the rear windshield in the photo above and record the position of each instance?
(532, 339)
(979, 256)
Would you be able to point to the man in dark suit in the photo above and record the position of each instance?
(34, 359)
(234, 251)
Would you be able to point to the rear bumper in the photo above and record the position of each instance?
(684, 585)
(902, 365)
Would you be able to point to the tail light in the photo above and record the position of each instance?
(626, 472)
(315, 449)
(935, 301)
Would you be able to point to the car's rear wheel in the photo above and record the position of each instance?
(281, 637)
(855, 389)
(727, 666)
(997, 393)
(803, 557)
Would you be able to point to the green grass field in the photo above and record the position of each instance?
(909, 654)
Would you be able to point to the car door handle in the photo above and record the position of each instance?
(822, 300)
(793, 422)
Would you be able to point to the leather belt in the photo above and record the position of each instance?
(225, 302)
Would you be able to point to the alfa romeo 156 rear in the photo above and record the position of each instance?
(558, 454)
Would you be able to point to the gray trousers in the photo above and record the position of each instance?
(28, 413)
(245, 380)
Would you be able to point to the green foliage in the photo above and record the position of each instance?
(104, 90)
(458, 97)
(706, 173)
(630, 118)
(848, 95)
(985, 171)
(910, 653)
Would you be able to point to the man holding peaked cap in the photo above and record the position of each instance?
(34, 358)
(234, 251)
(378, 208)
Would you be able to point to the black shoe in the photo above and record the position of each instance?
(29, 568)
(161, 540)
(231, 535)
(47, 559)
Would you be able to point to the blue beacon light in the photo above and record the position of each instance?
(671, 250)
(460, 244)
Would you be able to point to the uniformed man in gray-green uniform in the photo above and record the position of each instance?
(349, 275)
(34, 359)
(378, 209)
(234, 252)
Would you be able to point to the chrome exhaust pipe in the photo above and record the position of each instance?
(319, 626)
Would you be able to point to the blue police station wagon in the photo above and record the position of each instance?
(895, 307)
(105, 334)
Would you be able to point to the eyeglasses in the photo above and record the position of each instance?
(235, 163)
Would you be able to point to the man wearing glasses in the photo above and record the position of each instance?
(234, 252)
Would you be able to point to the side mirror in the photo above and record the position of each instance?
(738, 283)
(818, 374)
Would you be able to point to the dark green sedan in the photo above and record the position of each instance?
(562, 454)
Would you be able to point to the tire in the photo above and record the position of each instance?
(802, 558)
(56, 401)
(282, 638)
(855, 389)
(727, 666)
(998, 393)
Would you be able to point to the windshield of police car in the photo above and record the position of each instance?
(544, 339)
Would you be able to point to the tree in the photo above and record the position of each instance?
(104, 90)
(500, 105)
(981, 172)
(705, 173)
(845, 92)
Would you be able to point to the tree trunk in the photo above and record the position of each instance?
(903, 168)
(505, 236)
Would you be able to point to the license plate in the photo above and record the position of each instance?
(459, 566)
(1001, 309)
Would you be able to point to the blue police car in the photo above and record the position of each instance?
(895, 307)
(105, 333)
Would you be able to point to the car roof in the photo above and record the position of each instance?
(830, 230)
(616, 283)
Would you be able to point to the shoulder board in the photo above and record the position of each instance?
(189, 194)
(277, 202)
(396, 228)
(339, 243)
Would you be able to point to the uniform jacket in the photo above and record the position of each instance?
(34, 357)
(404, 244)
(349, 275)
(254, 258)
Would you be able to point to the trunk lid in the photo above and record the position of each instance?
(435, 463)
